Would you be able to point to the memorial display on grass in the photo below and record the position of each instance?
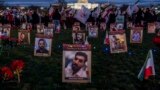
(78, 37)
(136, 35)
(48, 32)
(93, 32)
(117, 42)
(76, 63)
(42, 46)
(23, 37)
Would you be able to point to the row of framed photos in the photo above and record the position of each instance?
(151, 28)
(76, 67)
(40, 27)
(117, 41)
(118, 26)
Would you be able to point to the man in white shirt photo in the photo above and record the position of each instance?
(77, 67)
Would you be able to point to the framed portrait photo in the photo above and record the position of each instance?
(76, 63)
(42, 46)
(78, 37)
(136, 35)
(6, 31)
(40, 29)
(76, 28)
(29, 26)
(151, 28)
(48, 32)
(93, 32)
(24, 37)
(117, 42)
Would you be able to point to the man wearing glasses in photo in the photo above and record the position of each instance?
(77, 67)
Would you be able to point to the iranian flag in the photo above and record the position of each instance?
(148, 68)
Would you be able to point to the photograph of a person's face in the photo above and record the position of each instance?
(151, 28)
(117, 42)
(6, 31)
(76, 28)
(48, 32)
(76, 65)
(78, 37)
(93, 32)
(42, 46)
(40, 29)
(136, 35)
(24, 37)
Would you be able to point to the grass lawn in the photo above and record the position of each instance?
(109, 71)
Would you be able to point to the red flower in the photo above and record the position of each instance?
(7, 73)
(17, 65)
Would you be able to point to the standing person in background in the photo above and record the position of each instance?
(35, 19)
(46, 19)
(154, 16)
(112, 18)
(139, 17)
(63, 18)
(56, 18)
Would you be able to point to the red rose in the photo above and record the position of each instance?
(7, 73)
(17, 65)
